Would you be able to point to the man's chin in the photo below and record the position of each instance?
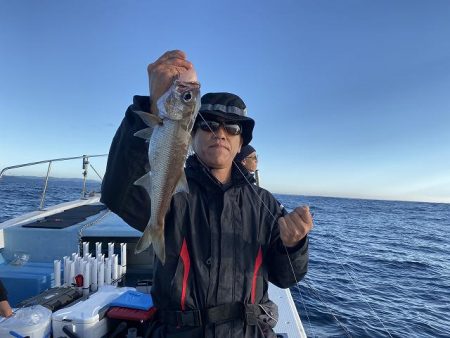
(218, 153)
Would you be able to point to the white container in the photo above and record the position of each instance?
(33, 321)
(87, 318)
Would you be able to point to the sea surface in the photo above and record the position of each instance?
(377, 268)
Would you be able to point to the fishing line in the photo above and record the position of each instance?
(268, 210)
(306, 312)
(290, 264)
(360, 292)
(276, 221)
(329, 309)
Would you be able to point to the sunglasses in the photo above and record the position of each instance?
(213, 126)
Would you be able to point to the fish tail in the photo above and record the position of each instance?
(144, 242)
(155, 237)
(159, 246)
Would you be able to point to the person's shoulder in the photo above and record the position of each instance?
(141, 103)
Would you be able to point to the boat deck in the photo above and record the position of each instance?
(66, 226)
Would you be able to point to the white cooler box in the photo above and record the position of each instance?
(87, 318)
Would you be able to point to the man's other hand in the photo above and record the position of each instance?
(295, 226)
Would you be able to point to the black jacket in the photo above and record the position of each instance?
(222, 242)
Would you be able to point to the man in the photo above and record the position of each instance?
(224, 239)
(5, 308)
(247, 156)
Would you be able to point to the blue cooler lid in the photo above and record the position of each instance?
(133, 300)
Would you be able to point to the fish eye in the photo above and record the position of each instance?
(187, 96)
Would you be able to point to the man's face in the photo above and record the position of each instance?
(217, 149)
(251, 162)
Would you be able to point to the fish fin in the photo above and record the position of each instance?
(146, 133)
(145, 182)
(182, 184)
(154, 237)
(149, 119)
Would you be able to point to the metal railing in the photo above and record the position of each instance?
(85, 167)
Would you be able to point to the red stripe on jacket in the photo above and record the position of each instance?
(258, 263)
(187, 266)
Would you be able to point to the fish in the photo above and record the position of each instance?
(169, 138)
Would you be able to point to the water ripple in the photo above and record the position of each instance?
(376, 264)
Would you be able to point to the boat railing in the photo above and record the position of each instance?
(85, 166)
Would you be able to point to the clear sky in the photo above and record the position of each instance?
(350, 98)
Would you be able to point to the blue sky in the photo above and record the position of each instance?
(350, 98)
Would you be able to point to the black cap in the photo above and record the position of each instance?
(228, 107)
(245, 151)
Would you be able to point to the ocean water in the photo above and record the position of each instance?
(377, 268)
(21, 194)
